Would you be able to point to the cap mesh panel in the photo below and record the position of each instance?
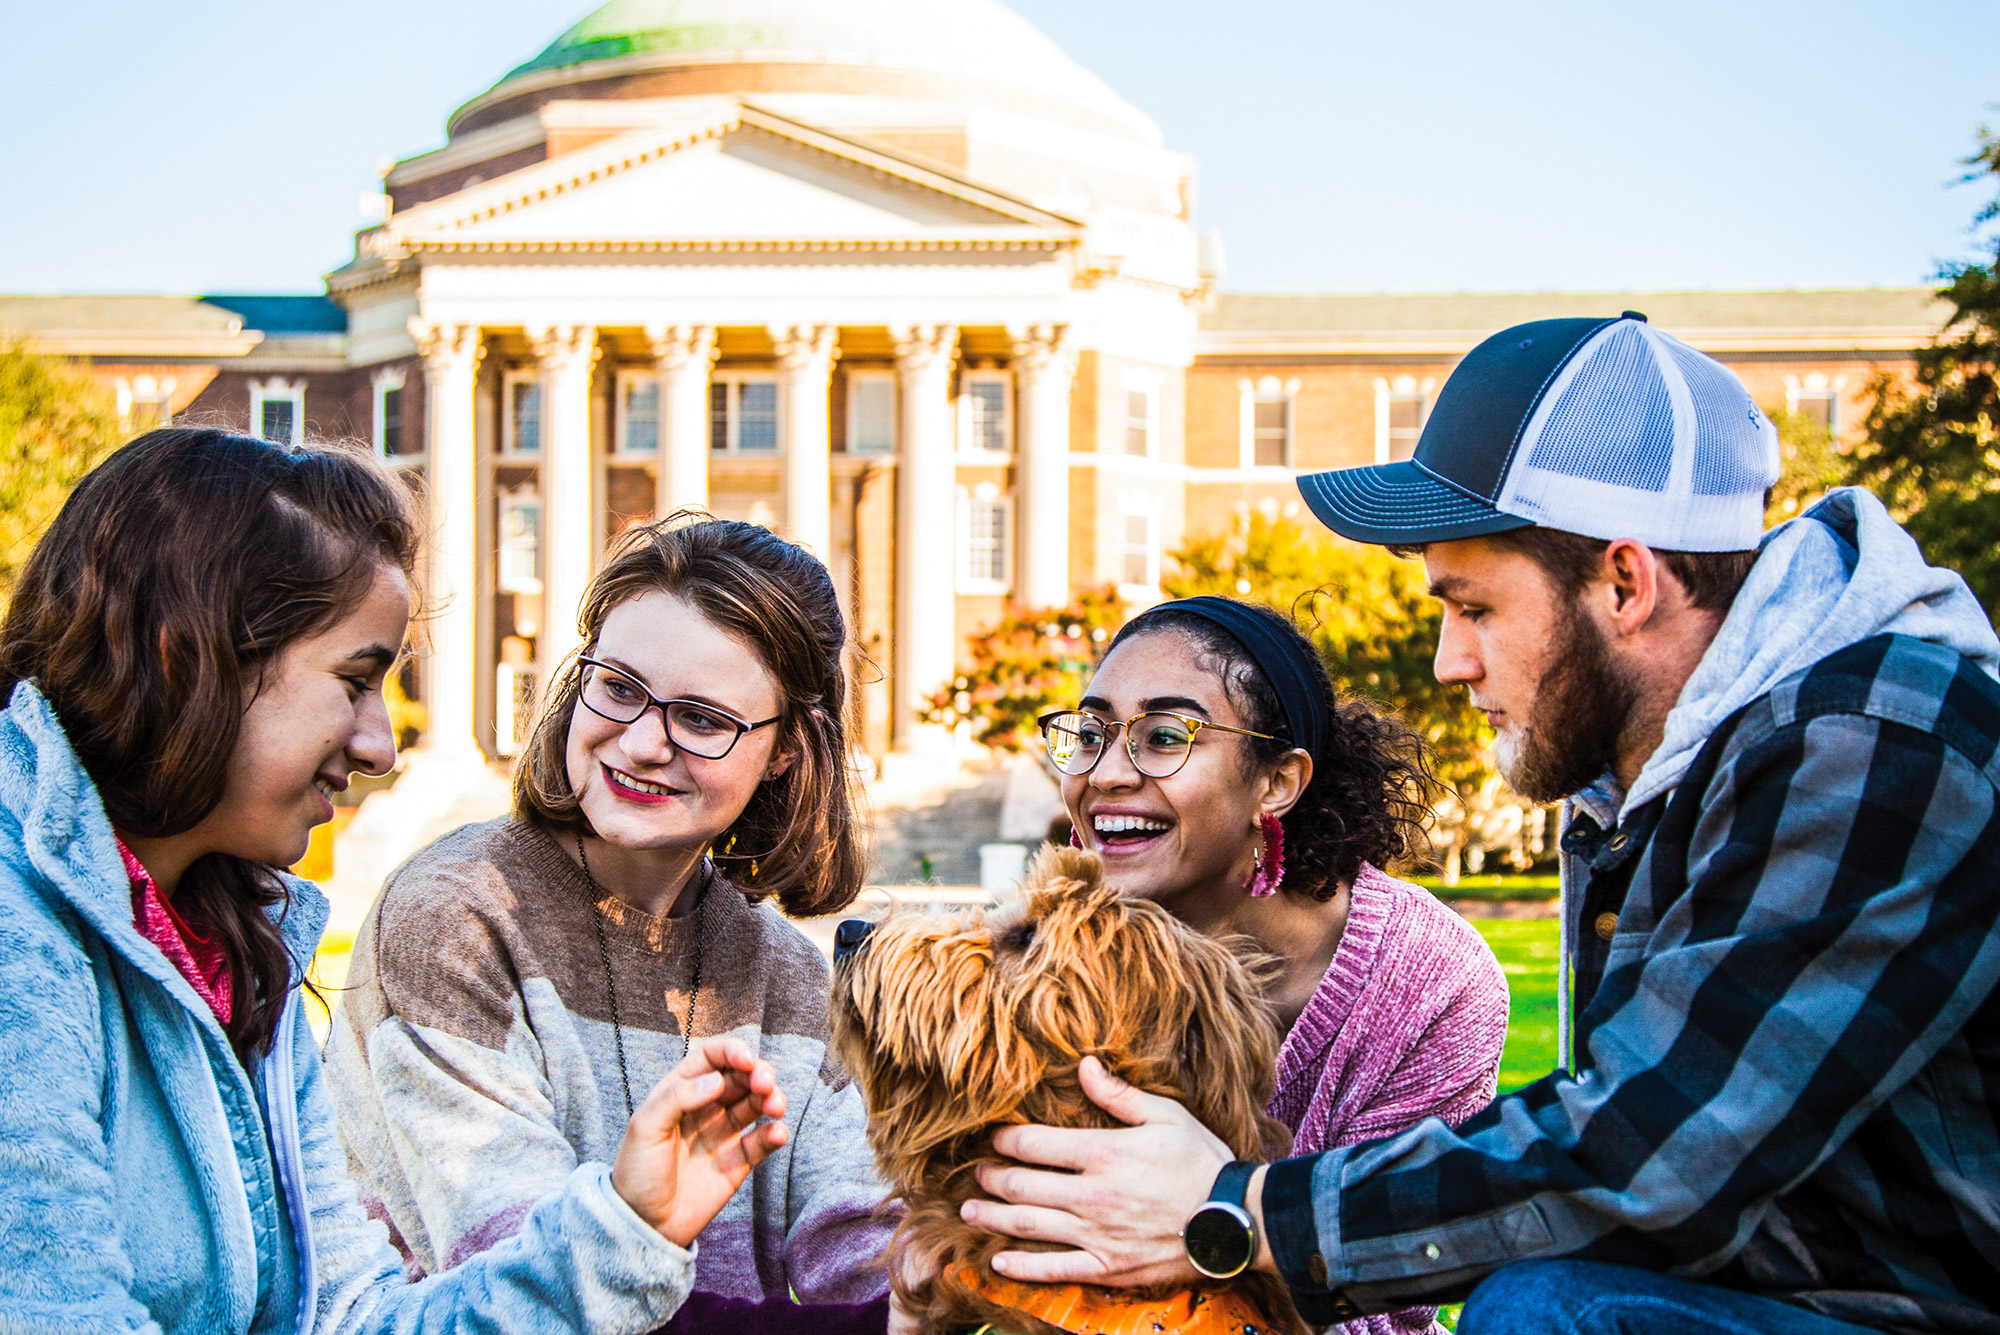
(1729, 430)
(1614, 422)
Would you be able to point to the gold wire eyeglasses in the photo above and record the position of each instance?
(1158, 742)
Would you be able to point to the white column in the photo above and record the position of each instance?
(682, 356)
(805, 360)
(1043, 366)
(567, 353)
(451, 368)
(926, 512)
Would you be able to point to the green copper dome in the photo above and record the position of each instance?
(636, 27)
(976, 42)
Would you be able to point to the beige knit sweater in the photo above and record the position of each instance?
(473, 1064)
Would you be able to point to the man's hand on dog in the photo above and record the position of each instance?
(1122, 1197)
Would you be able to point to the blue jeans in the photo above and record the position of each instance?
(1594, 1298)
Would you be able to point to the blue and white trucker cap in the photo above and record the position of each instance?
(1607, 428)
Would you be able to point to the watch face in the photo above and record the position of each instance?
(1220, 1240)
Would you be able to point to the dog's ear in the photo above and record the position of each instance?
(927, 1004)
(917, 1022)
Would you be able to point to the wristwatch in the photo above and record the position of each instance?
(1220, 1237)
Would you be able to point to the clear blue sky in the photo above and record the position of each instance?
(1457, 145)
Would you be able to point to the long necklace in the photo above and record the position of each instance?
(611, 987)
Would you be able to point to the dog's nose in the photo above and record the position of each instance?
(847, 938)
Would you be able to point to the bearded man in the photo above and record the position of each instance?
(1779, 761)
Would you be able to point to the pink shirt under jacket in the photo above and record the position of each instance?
(1408, 1023)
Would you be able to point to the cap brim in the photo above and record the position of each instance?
(1399, 503)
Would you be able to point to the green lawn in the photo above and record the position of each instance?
(1493, 887)
(1527, 951)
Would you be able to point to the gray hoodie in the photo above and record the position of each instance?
(1841, 573)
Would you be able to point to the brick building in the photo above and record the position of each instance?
(897, 278)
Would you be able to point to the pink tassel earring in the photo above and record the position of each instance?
(1268, 861)
(1075, 839)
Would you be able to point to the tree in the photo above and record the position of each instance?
(1033, 661)
(55, 425)
(1811, 464)
(1376, 626)
(1933, 446)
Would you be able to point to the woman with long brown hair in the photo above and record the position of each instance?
(520, 980)
(193, 663)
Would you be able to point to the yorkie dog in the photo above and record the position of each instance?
(955, 1026)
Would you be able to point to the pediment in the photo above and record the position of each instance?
(739, 176)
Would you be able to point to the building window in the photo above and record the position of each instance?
(1816, 400)
(1145, 390)
(985, 537)
(1400, 408)
(278, 410)
(638, 413)
(871, 412)
(1406, 423)
(521, 542)
(1138, 421)
(145, 402)
(391, 440)
(743, 414)
(523, 424)
(514, 681)
(391, 430)
(1267, 421)
(1271, 433)
(985, 409)
(1136, 555)
(1139, 555)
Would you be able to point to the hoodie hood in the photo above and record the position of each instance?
(1841, 573)
(48, 796)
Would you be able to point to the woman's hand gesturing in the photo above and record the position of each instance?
(687, 1149)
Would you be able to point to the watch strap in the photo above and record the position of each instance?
(1232, 1184)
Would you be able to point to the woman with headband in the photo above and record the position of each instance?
(1213, 768)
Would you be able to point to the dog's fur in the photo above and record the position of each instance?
(955, 1026)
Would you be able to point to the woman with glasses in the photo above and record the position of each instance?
(1213, 768)
(192, 663)
(519, 983)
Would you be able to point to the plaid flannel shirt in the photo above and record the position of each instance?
(1787, 1050)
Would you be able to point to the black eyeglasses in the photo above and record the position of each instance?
(699, 729)
(1159, 743)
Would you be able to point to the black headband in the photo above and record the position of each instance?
(1281, 658)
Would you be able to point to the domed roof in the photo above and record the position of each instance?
(980, 41)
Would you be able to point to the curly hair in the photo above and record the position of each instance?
(1369, 798)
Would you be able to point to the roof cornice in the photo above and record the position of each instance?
(143, 343)
(469, 150)
(427, 226)
(759, 244)
(1454, 343)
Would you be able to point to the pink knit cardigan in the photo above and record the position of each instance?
(1408, 1023)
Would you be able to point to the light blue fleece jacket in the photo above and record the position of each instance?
(149, 1183)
